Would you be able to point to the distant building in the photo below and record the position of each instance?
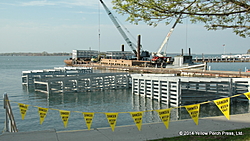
(119, 54)
(84, 54)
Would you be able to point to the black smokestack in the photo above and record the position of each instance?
(139, 47)
(122, 48)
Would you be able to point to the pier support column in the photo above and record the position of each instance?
(133, 85)
(77, 87)
(160, 90)
(90, 83)
(116, 81)
(102, 81)
(152, 88)
(48, 87)
(178, 88)
(127, 80)
(168, 93)
(139, 84)
(145, 87)
(63, 85)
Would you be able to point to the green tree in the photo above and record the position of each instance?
(215, 14)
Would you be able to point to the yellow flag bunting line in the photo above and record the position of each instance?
(223, 104)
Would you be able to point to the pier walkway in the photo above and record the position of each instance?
(177, 71)
(220, 60)
(148, 132)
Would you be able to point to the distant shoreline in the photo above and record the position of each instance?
(70, 54)
(35, 54)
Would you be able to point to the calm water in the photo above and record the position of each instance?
(101, 101)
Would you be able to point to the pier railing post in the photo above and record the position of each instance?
(7, 127)
(10, 124)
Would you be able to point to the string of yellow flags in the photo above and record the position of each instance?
(223, 104)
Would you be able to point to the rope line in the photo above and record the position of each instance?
(132, 111)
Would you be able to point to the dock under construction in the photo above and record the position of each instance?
(174, 91)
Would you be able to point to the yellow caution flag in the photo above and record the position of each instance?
(112, 118)
(224, 105)
(137, 116)
(23, 109)
(194, 111)
(247, 95)
(42, 113)
(164, 115)
(88, 119)
(65, 117)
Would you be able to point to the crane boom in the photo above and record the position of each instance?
(168, 35)
(130, 44)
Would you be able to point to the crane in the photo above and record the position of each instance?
(130, 44)
(158, 57)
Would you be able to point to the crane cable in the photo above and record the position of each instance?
(126, 29)
(99, 27)
(187, 35)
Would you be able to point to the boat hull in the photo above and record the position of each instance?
(68, 62)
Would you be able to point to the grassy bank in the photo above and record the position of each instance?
(233, 135)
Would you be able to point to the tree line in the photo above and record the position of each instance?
(35, 54)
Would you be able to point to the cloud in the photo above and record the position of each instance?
(37, 3)
(85, 12)
(80, 3)
(10, 4)
(67, 3)
(64, 3)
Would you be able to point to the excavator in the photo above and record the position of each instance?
(162, 58)
(143, 54)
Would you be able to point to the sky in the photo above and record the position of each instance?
(65, 25)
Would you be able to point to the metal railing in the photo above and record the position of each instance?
(10, 124)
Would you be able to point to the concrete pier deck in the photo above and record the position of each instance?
(148, 131)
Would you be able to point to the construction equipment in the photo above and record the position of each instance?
(143, 54)
(94, 59)
(161, 58)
